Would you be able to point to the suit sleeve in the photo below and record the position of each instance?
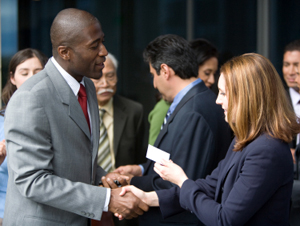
(28, 137)
(264, 171)
(140, 140)
(169, 200)
(189, 147)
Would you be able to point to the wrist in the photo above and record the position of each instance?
(182, 181)
(151, 199)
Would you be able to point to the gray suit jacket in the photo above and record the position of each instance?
(129, 140)
(51, 155)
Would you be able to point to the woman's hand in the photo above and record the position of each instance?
(150, 198)
(170, 171)
(2, 151)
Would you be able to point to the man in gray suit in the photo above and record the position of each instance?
(52, 145)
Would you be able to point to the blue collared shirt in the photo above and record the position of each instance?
(181, 94)
(176, 101)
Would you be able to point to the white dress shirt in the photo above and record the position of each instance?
(295, 97)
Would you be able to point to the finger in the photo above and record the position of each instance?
(123, 191)
(143, 206)
(122, 181)
(125, 176)
(104, 182)
(158, 166)
(164, 162)
(159, 173)
(112, 176)
(119, 216)
(111, 183)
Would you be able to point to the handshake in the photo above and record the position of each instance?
(126, 204)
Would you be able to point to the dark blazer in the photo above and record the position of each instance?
(129, 140)
(249, 187)
(197, 138)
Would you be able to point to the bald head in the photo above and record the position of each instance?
(67, 27)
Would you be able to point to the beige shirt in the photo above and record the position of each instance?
(108, 120)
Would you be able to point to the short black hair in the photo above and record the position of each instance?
(292, 46)
(204, 50)
(173, 51)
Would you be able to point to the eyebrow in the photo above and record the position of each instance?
(97, 40)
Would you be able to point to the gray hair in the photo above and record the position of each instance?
(113, 60)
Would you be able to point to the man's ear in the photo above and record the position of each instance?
(64, 52)
(165, 71)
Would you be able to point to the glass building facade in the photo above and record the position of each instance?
(233, 26)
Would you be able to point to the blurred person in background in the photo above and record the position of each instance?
(22, 66)
(207, 60)
(121, 123)
(291, 61)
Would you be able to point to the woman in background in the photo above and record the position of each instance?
(253, 184)
(22, 66)
(207, 59)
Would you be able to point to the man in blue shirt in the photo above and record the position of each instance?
(194, 133)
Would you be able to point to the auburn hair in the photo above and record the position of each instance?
(257, 101)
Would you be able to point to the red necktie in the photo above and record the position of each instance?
(82, 99)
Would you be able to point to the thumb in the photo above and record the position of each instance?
(124, 190)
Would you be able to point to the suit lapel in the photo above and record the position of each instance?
(67, 98)
(120, 118)
(234, 158)
(190, 94)
(94, 114)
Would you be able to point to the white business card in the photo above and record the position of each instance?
(155, 154)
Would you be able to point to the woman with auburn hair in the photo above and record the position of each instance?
(252, 185)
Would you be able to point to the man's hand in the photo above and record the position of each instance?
(128, 206)
(134, 170)
(108, 180)
(2, 151)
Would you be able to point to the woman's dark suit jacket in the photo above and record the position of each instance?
(249, 187)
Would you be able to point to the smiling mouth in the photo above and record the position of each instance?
(100, 65)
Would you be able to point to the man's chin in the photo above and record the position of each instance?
(168, 101)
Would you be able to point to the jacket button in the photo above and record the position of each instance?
(83, 213)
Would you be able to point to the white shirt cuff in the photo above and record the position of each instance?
(105, 208)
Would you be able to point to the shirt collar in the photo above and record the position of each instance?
(72, 82)
(295, 96)
(108, 107)
(182, 93)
